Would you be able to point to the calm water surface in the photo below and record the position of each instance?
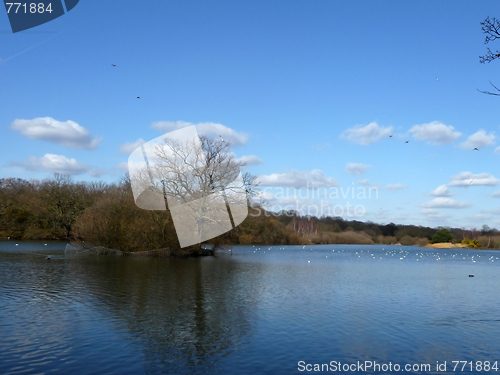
(260, 310)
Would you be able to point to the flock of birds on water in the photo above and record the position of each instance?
(394, 253)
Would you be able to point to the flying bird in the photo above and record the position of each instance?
(390, 136)
(138, 97)
(475, 149)
(113, 65)
(437, 79)
(407, 141)
(221, 138)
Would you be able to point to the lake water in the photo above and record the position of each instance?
(261, 310)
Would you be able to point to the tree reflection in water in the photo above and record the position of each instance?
(184, 312)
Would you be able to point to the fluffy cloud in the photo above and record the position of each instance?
(396, 187)
(442, 202)
(298, 179)
(365, 135)
(209, 129)
(479, 139)
(357, 168)
(442, 191)
(435, 133)
(57, 164)
(66, 133)
(128, 147)
(468, 178)
(248, 160)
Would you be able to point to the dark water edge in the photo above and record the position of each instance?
(260, 310)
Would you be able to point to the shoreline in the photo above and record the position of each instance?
(449, 245)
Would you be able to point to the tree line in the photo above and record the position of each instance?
(106, 215)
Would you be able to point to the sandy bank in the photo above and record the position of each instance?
(447, 245)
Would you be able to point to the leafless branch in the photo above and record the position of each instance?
(492, 30)
(489, 92)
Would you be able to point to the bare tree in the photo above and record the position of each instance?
(206, 192)
(492, 30)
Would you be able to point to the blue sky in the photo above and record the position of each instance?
(309, 93)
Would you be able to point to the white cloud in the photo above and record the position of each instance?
(128, 147)
(357, 168)
(248, 160)
(442, 202)
(122, 167)
(497, 150)
(479, 217)
(496, 194)
(365, 135)
(495, 211)
(465, 179)
(435, 133)
(298, 179)
(442, 191)
(66, 133)
(56, 164)
(479, 139)
(366, 182)
(396, 187)
(433, 214)
(209, 129)
(97, 172)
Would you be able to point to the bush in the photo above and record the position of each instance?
(422, 242)
(442, 235)
(474, 244)
(408, 240)
(245, 239)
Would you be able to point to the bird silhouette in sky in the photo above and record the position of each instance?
(138, 97)
(221, 138)
(407, 141)
(475, 149)
(390, 136)
(113, 65)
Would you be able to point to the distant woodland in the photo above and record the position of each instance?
(105, 215)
